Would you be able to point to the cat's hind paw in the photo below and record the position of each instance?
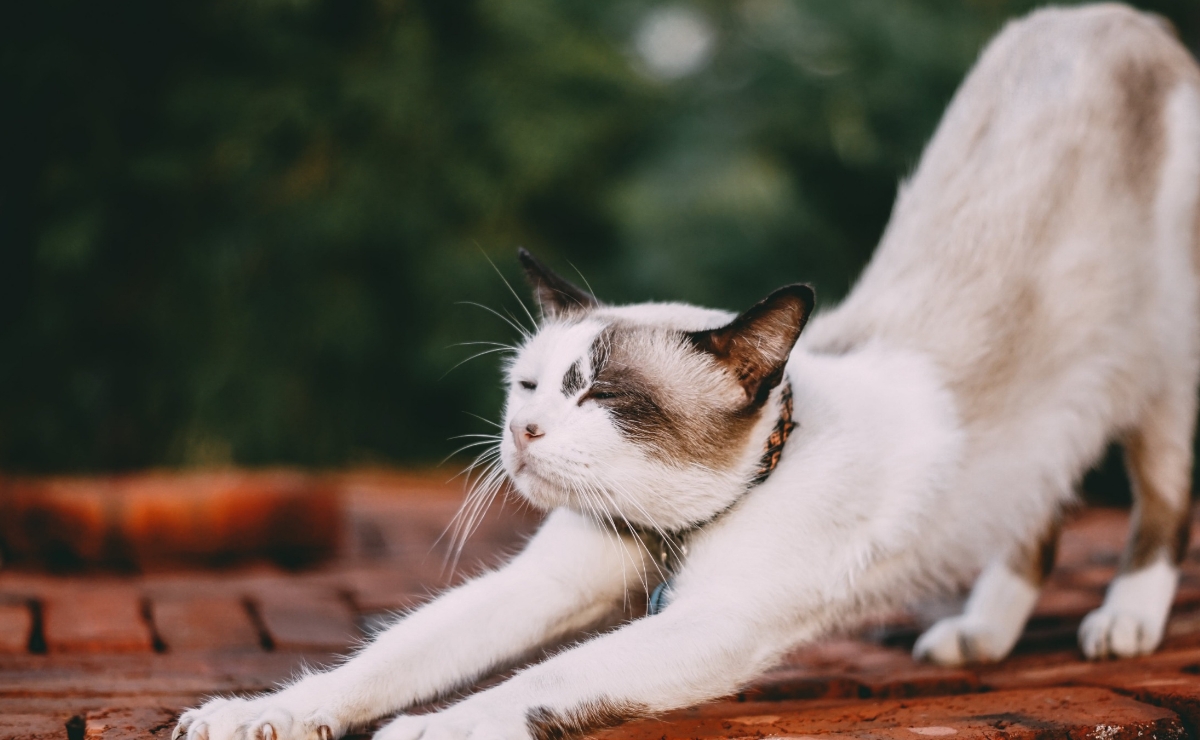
(957, 641)
(1111, 633)
(1134, 615)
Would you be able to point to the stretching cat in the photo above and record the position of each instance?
(1034, 296)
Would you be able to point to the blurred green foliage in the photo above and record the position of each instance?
(242, 231)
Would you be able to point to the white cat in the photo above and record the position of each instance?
(1034, 297)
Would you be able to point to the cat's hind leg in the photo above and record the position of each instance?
(1158, 457)
(997, 609)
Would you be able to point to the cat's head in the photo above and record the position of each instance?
(655, 412)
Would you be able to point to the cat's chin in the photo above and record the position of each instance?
(536, 489)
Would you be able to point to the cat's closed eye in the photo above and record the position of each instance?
(599, 395)
(528, 385)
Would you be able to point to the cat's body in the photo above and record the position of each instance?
(1035, 296)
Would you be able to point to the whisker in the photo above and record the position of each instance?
(493, 344)
(600, 515)
(498, 315)
(475, 356)
(510, 288)
(478, 502)
(491, 457)
(496, 424)
(586, 284)
(668, 542)
(625, 553)
(466, 447)
(641, 542)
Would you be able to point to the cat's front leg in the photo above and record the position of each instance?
(691, 652)
(570, 575)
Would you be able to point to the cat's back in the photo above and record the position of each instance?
(1051, 227)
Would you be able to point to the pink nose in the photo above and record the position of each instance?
(523, 434)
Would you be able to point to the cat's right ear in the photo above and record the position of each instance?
(555, 295)
(754, 347)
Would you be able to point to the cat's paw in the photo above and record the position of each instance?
(469, 720)
(266, 718)
(956, 641)
(1109, 632)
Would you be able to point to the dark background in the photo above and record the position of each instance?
(241, 232)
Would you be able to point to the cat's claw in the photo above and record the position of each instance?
(241, 719)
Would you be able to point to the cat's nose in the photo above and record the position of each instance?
(524, 433)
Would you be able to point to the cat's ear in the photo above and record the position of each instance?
(755, 346)
(555, 295)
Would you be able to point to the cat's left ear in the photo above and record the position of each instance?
(754, 347)
(555, 295)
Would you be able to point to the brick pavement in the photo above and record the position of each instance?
(98, 655)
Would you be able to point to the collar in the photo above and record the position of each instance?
(779, 436)
(672, 545)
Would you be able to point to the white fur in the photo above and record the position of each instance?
(1023, 308)
(988, 628)
(1134, 614)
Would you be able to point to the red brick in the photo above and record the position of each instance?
(1187, 596)
(1179, 692)
(849, 668)
(1067, 603)
(130, 723)
(1095, 536)
(1049, 714)
(62, 521)
(96, 619)
(16, 624)
(17, 726)
(189, 674)
(1084, 577)
(297, 619)
(380, 588)
(152, 518)
(1168, 679)
(229, 514)
(1069, 668)
(65, 707)
(205, 623)
(1183, 630)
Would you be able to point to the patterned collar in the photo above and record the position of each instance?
(779, 436)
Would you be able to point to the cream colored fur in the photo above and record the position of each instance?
(1034, 297)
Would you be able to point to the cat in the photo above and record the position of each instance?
(1034, 296)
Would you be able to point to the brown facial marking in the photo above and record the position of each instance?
(573, 381)
(1034, 561)
(649, 411)
(631, 401)
(546, 724)
(598, 354)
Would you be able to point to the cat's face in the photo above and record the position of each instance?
(653, 413)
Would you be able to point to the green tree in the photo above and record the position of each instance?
(241, 232)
